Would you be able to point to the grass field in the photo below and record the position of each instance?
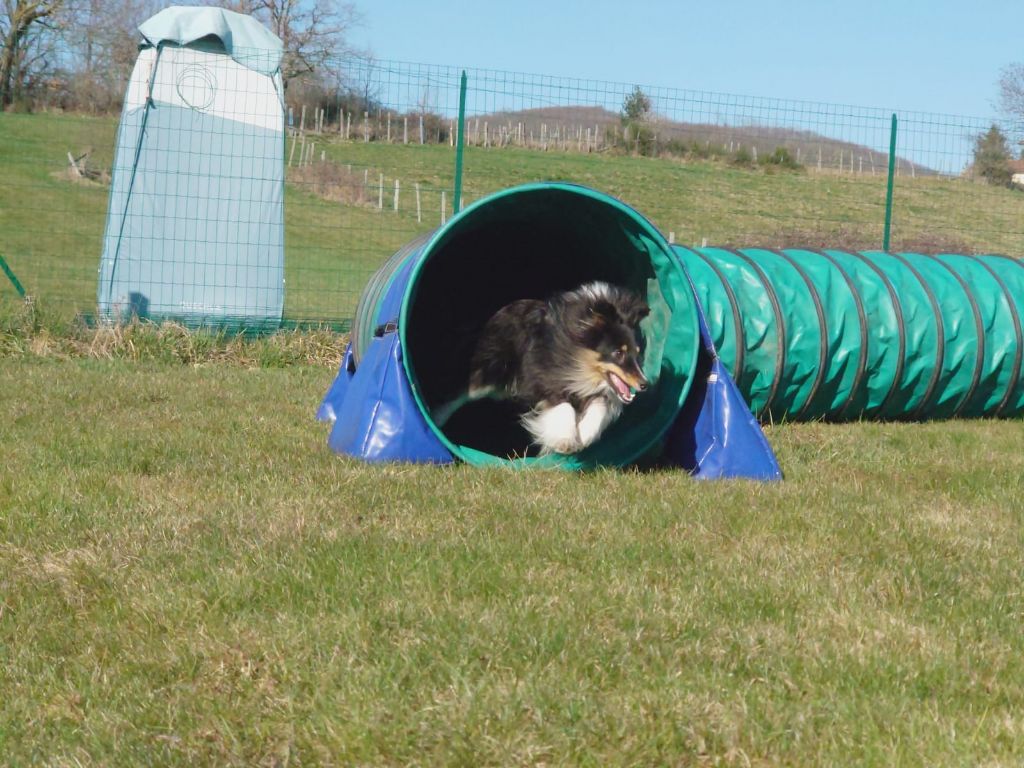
(51, 228)
(188, 576)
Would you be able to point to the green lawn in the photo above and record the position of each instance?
(188, 576)
(51, 228)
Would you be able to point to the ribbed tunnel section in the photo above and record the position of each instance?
(841, 335)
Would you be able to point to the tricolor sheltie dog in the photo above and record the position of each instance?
(572, 362)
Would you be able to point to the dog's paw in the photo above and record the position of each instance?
(564, 446)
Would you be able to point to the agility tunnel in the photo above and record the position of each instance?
(420, 314)
(791, 334)
(840, 335)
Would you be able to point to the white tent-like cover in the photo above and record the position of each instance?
(195, 227)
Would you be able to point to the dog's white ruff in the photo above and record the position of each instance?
(554, 429)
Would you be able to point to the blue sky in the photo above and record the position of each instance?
(938, 56)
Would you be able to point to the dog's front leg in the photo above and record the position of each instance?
(596, 417)
(554, 429)
(444, 412)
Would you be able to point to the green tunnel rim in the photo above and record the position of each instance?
(979, 329)
(857, 385)
(686, 305)
(780, 326)
(1018, 356)
(883, 408)
(819, 312)
(927, 399)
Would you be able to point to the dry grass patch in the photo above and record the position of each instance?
(336, 183)
(26, 329)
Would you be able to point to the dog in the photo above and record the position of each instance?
(571, 362)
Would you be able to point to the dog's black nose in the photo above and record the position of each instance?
(642, 386)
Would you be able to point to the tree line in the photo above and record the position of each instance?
(994, 158)
(78, 54)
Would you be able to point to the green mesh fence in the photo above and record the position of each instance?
(369, 160)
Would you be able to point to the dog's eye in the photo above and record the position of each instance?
(618, 355)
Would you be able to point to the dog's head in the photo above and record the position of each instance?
(604, 320)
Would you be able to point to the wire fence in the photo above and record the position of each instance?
(369, 164)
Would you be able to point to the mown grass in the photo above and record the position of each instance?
(51, 228)
(188, 576)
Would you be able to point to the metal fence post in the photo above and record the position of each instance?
(888, 191)
(461, 128)
(10, 276)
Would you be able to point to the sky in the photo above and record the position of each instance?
(940, 56)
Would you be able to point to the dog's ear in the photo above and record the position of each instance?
(588, 322)
(637, 312)
(601, 313)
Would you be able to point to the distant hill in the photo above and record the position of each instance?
(567, 127)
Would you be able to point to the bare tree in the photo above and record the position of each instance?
(26, 51)
(1011, 102)
(103, 47)
(362, 82)
(1011, 90)
(314, 32)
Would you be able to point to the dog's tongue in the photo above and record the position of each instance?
(620, 386)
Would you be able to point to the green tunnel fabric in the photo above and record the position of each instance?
(1008, 344)
(920, 335)
(997, 337)
(838, 335)
(741, 319)
(878, 324)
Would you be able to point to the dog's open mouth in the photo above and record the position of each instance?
(621, 388)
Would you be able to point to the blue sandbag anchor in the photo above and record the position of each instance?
(716, 436)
